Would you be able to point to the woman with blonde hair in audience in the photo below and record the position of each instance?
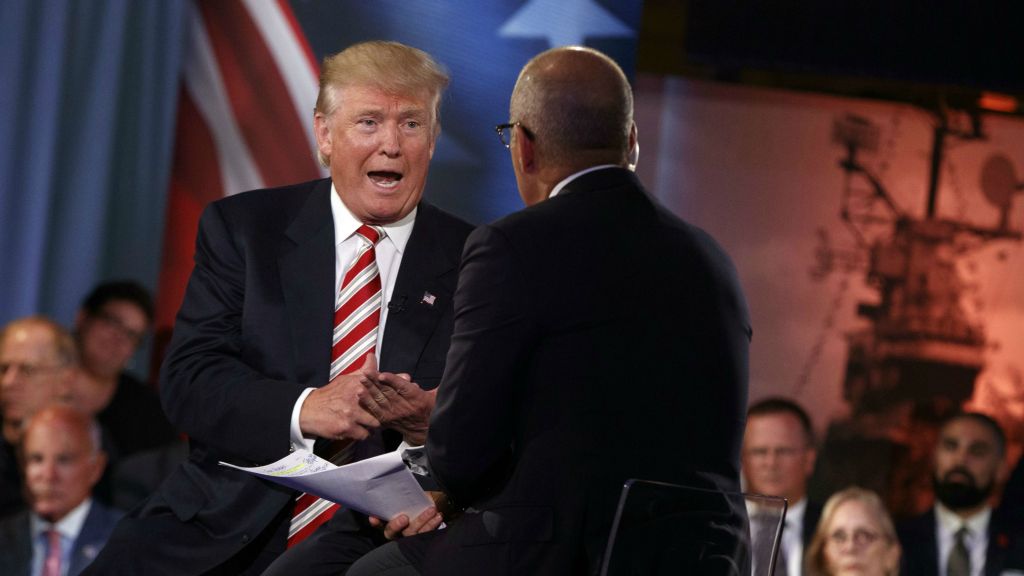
(855, 536)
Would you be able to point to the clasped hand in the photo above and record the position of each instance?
(399, 403)
(352, 405)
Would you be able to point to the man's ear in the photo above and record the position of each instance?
(524, 152)
(634, 148)
(1004, 471)
(812, 457)
(322, 130)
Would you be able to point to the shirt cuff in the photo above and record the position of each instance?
(297, 439)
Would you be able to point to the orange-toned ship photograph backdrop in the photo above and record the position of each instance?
(885, 278)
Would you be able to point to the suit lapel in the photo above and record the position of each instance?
(420, 295)
(90, 540)
(929, 541)
(307, 282)
(20, 556)
(998, 544)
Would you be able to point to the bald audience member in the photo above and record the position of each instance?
(778, 459)
(37, 359)
(585, 325)
(63, 528)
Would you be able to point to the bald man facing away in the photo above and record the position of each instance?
(587, 327)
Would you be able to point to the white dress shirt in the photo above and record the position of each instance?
(793, 537)
(946, 526)
(389, 259)
(68, 527)
(792, 544)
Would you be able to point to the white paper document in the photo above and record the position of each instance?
(381, 486)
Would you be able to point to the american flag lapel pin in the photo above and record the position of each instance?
(428, 299)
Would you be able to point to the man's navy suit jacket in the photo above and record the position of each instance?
(254, 330)
(16, 540)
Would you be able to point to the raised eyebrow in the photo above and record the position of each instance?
(414, 113)
(371, 112)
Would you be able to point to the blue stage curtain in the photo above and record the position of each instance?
(88, 93)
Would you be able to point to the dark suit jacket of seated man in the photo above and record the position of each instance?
(597, 338)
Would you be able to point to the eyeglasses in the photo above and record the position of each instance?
(506, 139)
(861, 537)
(111, 321)
(778, 452)
(27, 370)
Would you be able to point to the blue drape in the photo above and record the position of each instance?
(88, 94)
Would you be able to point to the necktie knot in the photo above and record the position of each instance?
(371, 234)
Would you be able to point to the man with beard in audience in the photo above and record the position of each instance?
(960, 535)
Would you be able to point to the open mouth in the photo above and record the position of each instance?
(385, 179)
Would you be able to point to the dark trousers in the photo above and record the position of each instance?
(331, 550)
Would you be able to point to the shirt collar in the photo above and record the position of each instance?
(949, 521)
(795, 513)
(346, 224)
(69, 526)
(558, 187)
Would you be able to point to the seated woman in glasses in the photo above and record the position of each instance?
(855, 536)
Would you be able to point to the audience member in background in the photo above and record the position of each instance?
(63, 528)
(109, 327)
(855, 536)
(37, 367)
(778, 459)
(960, 536)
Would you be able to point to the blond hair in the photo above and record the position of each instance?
(390, 66)
(815, 563)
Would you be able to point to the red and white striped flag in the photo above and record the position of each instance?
(245, 120)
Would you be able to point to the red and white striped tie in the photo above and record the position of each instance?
(356, 319)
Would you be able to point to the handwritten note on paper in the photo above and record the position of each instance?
(381, 486)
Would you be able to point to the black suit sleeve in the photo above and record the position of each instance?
(491, 334)
(208, 389)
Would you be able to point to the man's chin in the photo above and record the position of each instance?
(47, 511)
(388, 211)
(961, 495)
